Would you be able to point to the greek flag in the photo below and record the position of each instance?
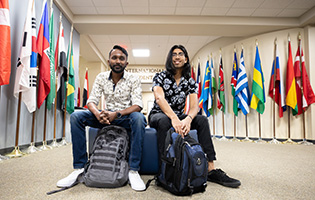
(242, 89)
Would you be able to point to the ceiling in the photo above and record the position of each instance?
(159, 24)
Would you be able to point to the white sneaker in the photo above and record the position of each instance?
(135, 181)
(69, 180)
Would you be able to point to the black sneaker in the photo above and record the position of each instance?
(220, 177)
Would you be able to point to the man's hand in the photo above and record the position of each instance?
(186, 125)
(177, 125)
(103, 118)
(109, 116)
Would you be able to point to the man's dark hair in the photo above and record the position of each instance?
(121, 49)
(169, 62)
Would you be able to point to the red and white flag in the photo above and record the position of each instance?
(5, 43)
(302, 80)
(25, 77)
(187, 107)
(86, 89)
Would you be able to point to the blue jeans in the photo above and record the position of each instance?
(134, 123)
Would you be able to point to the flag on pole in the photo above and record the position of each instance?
(52, 94)
(5, 43)
(86, 89)
(308, 93)
(71, 82)
(213, 86)
(221, 95)
(199, 86)
(43, 51)
(24, 80)
(277, 84)
(297, 74)
(303, 101)
(242, 89)
(186, 109)
(61, 65)
(199, 81)
(206, 94)
(234, 83)
(258, 97)
(78, 101)
(291, 99)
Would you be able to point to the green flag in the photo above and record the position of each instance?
(258, 98)
(233, 84)
(221, 95)
(213, 87)
(71, 82)
(52, 94)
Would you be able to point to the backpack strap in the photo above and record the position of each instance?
(77, 181)
(147, 185)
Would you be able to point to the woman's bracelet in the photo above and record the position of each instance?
(190, 117)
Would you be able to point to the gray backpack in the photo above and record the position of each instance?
(108, 166)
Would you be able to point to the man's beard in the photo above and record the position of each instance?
(119, 70)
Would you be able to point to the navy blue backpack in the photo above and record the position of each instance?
(184, 166)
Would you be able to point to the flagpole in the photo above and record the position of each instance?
(260, 140)
(274, 140)
(63, 142)
(1, 156)
(304, 142)
(289, 141)
(246, 139)
(54, 143)
(16, 152)
(213, 97)
(32, 148)
(223, 137)
(234, 136)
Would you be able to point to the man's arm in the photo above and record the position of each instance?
(166, 108)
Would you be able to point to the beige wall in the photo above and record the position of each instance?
(266, 50)
(94, 68)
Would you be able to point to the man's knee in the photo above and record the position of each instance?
(138, 117)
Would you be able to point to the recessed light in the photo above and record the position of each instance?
(141, 52)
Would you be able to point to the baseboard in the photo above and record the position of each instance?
(21, 147)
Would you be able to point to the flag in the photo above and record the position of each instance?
(78, 101)
(234, 83)
(24, 80)
(308, 93)
(61, 66)
(206, 94)
(258, 98)
(71, 82)
(303, 101)
(86, 89)
(199, 86)
(43, 50)
(291, 99)
(213, 87)
(199, 81)
(52, 94)
(242, 89)
(277, 84)
(5, 43)
(221, 95)
(186, 109)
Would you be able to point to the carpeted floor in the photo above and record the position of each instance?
(267, 171)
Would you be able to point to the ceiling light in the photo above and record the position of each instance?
(141, 52)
